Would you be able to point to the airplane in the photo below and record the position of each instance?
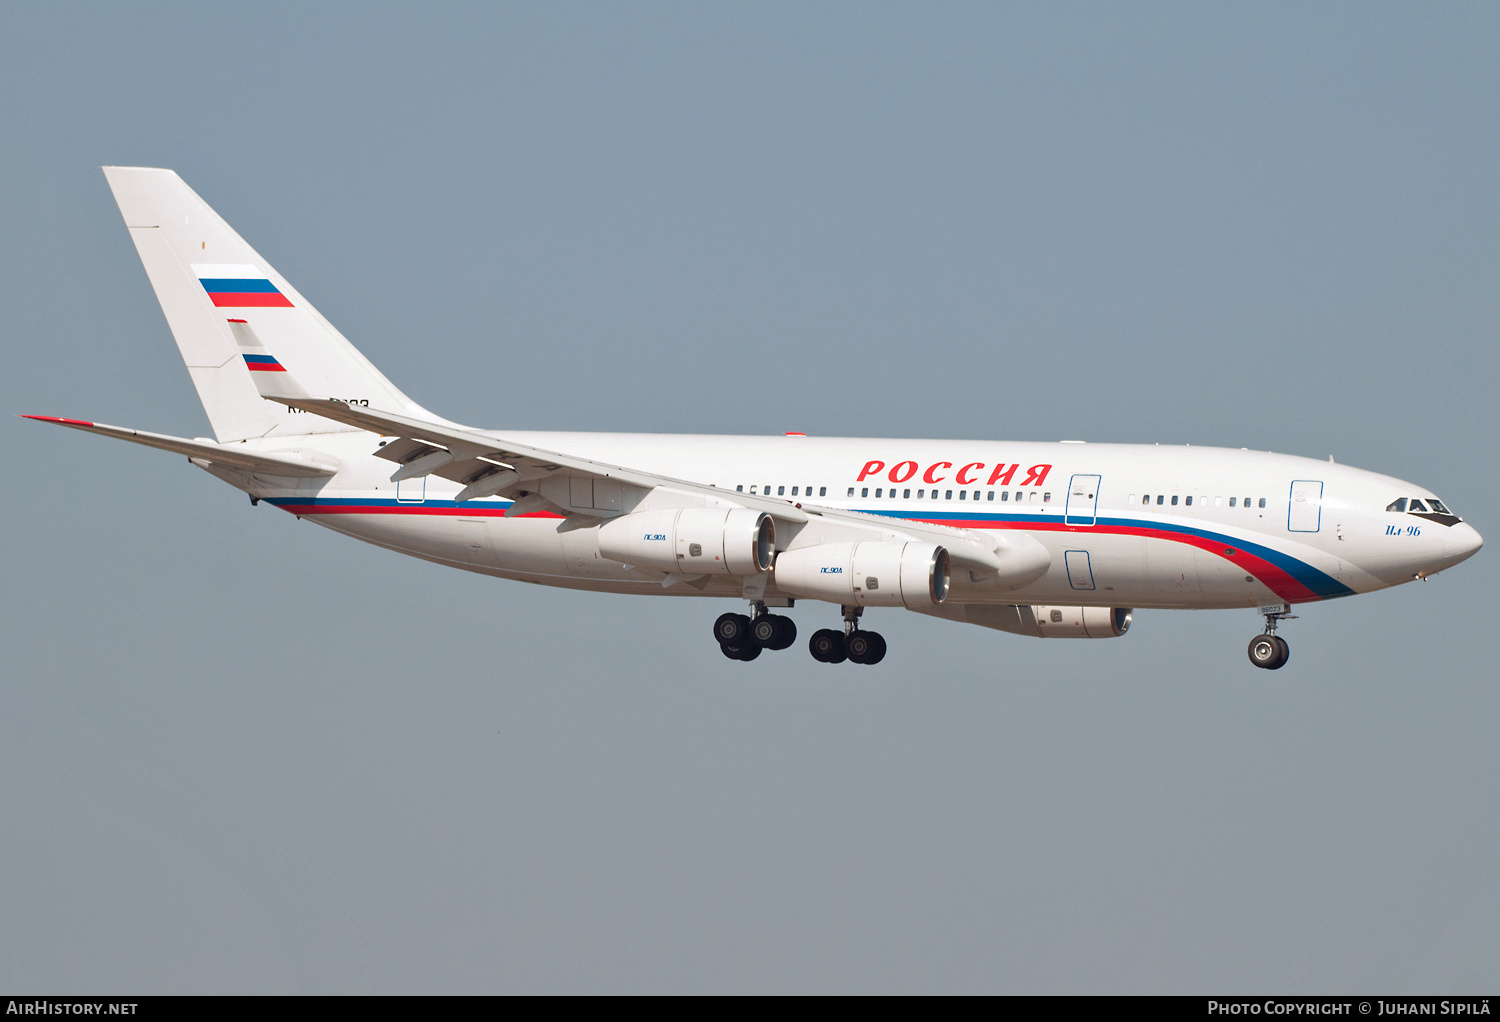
(1053, 540)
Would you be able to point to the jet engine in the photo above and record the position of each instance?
(1081, 622)
(692, 540)
(872, 574)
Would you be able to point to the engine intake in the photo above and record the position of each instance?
(873, 574)
(692, 540)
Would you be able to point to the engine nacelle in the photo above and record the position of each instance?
(692, 540)
(1081, 622)
(872, 574)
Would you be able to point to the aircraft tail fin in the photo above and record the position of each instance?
(208, 281)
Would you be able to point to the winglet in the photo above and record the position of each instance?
(270, 376)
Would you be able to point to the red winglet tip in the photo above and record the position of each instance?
(53, 418)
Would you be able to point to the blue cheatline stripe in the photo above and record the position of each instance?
(262, 359)
(1316, 581)
(233, 285)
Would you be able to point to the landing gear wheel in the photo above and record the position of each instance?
(732, 630)
(866, 647)
(1268, 651)
(749, 651)
(763, 630)
(827, 646)
(786, 632)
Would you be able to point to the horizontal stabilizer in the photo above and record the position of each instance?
(297, 466)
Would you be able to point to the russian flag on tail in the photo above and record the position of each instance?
(239, 285)
(263, 364)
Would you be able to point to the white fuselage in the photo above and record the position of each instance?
(1124, 525)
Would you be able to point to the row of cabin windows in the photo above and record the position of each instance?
(880, 491)
(864, 491)
(781, 490)
(1161, 498)
(1046, 498)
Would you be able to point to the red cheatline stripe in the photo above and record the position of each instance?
(1274, 578)
(65, 422)
(409, 509)
(265, 367)
(246, 299)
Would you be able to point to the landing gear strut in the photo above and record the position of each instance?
(742, 637)
(853, 643)
(1270, 650)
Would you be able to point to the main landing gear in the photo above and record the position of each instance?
(742, 637)
(853, 643)
(1270, 650)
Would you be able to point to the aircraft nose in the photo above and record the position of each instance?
(1462, 542)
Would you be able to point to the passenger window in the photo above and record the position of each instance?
(794, 491)
(740, 488)
(1174, 500)
(949, 495)
(877, 491)
(1018, 496)
(752, 490)
(1262, 502)
(1146, 499)
(1005, 495)
(822, 491)
(1033, 496)
(1247, 501)
(781, 491)
(1189, 502)
(851, 490)
(864, 491)
(1438, 506)
(1416, 505)
(991, 495)
(1399, 504)
(1160, 499)
(1218, 502)
(1046, 498)
(1232, 500)
(906, 495)
(963, 494)
(921, 494)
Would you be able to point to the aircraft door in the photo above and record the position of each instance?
(1083, 501)
(1080, 572)
(473, 544)
(1305, 509)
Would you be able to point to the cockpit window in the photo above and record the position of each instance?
(1416, 505)
(1397, 505)
(1438, 506)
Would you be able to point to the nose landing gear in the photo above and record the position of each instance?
(1269, 650)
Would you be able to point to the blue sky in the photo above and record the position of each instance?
(241, 753)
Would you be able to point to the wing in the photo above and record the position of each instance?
(535, 478)
(489, 464)
(295, 466)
